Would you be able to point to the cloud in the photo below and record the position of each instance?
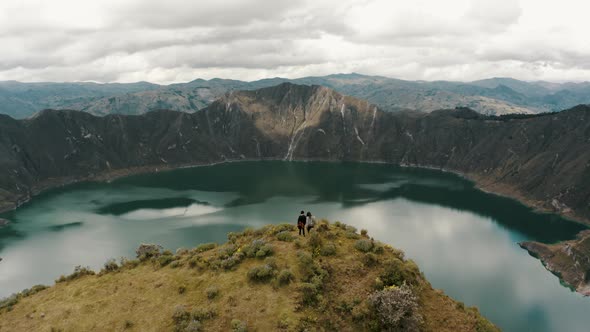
(164, 42)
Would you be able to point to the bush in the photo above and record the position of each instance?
(378, 248)
(285, 277)
(175, 264)
(205, 247)
(350, 229)
(110, 266)
(328, 250)
(212, 292)
(238, 326)
(397, 308)
(261, 273)
(351, 235)
(193, 326)
(147, 251)
(128, 263)
(180, 315)
(128, 324)
(231, 262)
(181, 290)
(396, 272)
(258, 248)
(364, 232)
(315, 241)
(226, 251)
(363, 245)
(79, 271)
(165, 260)
(309, 293)
(202, 314)
(285, 236)
(370, 259)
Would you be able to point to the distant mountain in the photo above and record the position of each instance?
(494, 96)
(543, 160)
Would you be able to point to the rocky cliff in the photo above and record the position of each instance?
(543, 160)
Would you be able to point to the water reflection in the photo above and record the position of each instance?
(464, 240)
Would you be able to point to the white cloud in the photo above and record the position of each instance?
(130, 40)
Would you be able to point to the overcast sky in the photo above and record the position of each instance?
(177, 41)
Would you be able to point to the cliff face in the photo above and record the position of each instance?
(543, 160)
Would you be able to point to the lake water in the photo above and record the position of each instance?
(464, 240)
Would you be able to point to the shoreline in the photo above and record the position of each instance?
(480, 182)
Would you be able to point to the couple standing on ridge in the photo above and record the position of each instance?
(305, 220)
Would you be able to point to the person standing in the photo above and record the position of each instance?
(301, 222)
(310, 221)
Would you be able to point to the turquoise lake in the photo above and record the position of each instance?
(465, 240)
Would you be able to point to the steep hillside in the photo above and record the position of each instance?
(261, 280)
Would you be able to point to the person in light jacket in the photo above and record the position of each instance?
(310, 221)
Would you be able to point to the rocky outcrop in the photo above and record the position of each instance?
(570, 260)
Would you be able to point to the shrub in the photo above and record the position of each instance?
(193, 326)
(110, 266)
(205, 247)
(202, 314)
(265, 250)
(315, 241)
(165, 260)
(79, 271)
(283, 228)
(378, 248)
(350, 229)
(128, 263)
(363, 245)
(364, 232)
(396, 272)
(298, 244)
(351, 235)
(238, 326)
(212, 292)
(226, 251)
(180, 315)
(231, 262)
(181, 290)
(128, 324)
(309, 293)
(258, 248)
(146, 251)
(370, 259)
(328, 249)
(397, 308)
(285, 236)
(285, 277)
(271, 261)
(261, 273)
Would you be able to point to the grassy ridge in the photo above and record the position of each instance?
(260, 280)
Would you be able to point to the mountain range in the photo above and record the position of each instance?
(541, 159)
(493, 96)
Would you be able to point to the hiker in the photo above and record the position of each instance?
(301, 222)
(310, 221)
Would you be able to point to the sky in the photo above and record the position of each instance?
(178, 41)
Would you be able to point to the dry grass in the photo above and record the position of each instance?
(144, 297)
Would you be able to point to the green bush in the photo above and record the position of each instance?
(180, 314)
(79, 271)
(351, 235)
(285, 277)
(364, 232)
(165, 260)
(238, 326)
(396, 272)
(328, 249)
(261, 273)
(110, 266)
(363, 245)
(205, 247)
(258, 248)
(202, 314)
(146, 251)
(370, 259)
(378, 248)
(285, 236)
(226, 251)
(350, 229)
(264, 251)
(309, 293)
(193, 326)
(212, 292)
(315, 241)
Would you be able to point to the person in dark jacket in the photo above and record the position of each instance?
(301, 222)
